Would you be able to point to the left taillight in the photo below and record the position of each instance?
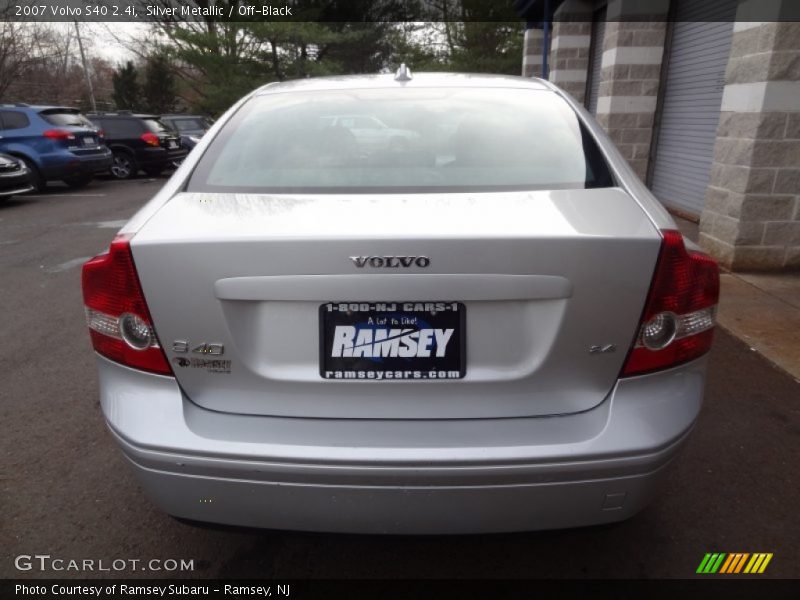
(151, 139)
(119, 321)
(59, 134)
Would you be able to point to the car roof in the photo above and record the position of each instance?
(419, 80)
(38, 107)
(122, 116)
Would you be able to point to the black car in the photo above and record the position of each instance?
(190, 127)
(139, 142)
(15, 178)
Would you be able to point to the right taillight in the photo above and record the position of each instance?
(116, 312)
(678, 320)
(151, 139)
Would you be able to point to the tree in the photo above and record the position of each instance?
(216, 62)
(127, 94)
(480, 37)
(26, 49)
(159, 84)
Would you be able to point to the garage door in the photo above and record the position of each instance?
(698, 56)
(595, 60)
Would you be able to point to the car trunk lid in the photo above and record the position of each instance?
(553, 284)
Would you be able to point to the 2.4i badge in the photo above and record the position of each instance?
(183, 346)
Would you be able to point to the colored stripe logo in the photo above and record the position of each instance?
(734, 562)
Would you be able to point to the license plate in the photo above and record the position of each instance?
(173, 145)
(387, 341)
(89, 141)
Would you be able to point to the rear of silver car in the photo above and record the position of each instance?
(308, 333)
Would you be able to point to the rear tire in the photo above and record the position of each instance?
(79, 182)
(37, 181)
(123, 165)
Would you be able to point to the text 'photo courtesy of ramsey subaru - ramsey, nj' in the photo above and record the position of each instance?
(402, 303)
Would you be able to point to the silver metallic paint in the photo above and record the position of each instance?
(398, 476)
(210, 270)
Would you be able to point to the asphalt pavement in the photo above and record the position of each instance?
(66, 491)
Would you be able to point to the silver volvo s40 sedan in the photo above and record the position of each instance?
(488, 324)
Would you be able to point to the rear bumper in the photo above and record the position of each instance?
(159, 157)
(64, 165)
(466, 476)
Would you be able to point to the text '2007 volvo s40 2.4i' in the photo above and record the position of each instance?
(487, 324)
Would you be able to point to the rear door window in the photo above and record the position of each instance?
(12, 119)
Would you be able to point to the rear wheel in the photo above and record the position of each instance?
(123, 165)
(37, 181)
(79, 181)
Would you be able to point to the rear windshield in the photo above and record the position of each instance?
(66, 119)
(156, 126)
(455, 139)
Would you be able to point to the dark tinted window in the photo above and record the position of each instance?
(373, 140)
(13, 119)
(66, 118)
(122, 128)
(187, 124)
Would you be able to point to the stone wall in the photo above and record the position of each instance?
(569, 50)
(752, 216)
(630, 77)
(532, 53)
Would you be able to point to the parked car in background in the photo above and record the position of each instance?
(509, 335)
(54, 142)
(139, 142)
(15, 178)
(190, 127)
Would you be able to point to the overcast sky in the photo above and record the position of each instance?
(99, 38)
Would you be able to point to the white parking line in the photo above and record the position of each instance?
(66, 265)
(65, 195)
(109, 224)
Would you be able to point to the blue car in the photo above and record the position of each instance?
(54, 142)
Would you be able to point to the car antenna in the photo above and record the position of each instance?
(403, 73)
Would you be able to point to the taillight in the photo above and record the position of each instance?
(59, 134)
(678, 321)
(116, 312)
(151, 138)
(101, 133)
